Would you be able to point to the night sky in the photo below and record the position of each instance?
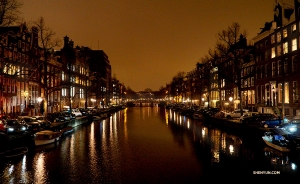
(148, 41)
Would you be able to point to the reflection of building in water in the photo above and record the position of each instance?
(280, 160)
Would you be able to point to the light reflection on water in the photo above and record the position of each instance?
(224, 146)
(143, 145)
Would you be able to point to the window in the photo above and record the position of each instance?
(81, 94)
(267, 55)
(294, 44)
(286, 66)
(286, 93)
(72, 93)
(294, 64)
(278, 50)
(63, 92)
(285, 47)
(293, 28)
(285, 33)
(295, 92)
(273, 54)
(266, 70)
(272, 39)
(279, 68)
(273, 69)
(266, 43)
(278, 37)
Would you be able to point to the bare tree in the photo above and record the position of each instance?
(230, 54)
(9, 12)
(47, 42)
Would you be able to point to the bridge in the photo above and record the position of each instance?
(147, 103)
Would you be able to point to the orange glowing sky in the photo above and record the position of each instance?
(148, 41)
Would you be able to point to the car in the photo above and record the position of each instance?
(76, 112)
(83, 111)
(14, 126)
(44, 122)
(236, 113)
(255, 117)
(273, 122)
(56, 117)
(31, 122)
(293, 126)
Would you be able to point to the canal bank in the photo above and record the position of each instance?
(11, 141)
(248, 131)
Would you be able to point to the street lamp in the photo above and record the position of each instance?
(230, 99)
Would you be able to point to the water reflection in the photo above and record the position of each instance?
(145, 145)
(229, 153)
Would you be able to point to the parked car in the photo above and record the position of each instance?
(76, 112)
(273, 122)
(56, 117)
(255, 117)
(44, 122)
(83, 111)
(14, 126)
(30, 122)
(293, 126)
(236, 113)
(67, 115)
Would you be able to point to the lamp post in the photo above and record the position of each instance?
(230, 99)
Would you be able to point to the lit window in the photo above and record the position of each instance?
(285, 33)
(294, 44)
(285, 47)
(273, 52)
(278, 37)
(293, 27)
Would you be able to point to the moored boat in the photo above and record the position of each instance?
(46, 137)
(276, 141)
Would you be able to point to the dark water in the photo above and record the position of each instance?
(148, 145)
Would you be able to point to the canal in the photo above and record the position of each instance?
(148, 145)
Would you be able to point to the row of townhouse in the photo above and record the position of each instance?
(268, 73)
(34, 81)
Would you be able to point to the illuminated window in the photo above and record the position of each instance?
(273, 54)
(280, 92)
(294, 44)
(285, 33)
(286, 93)
(63, 92)
(278, 37)
(285, 47)
(293, 27)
